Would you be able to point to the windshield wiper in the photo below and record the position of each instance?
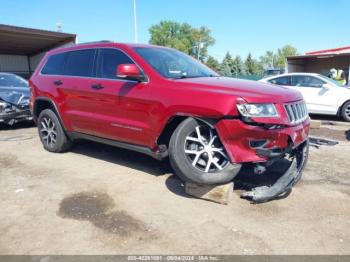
(184, 76)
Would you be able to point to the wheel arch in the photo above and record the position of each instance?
(341, 107)
(42, 103)
(175, 121)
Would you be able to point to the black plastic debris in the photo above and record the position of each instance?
(320, 141)
(283, 186)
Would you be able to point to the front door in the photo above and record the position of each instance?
(319, 100)
(118, 108)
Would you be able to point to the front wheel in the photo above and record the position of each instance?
(197, 154)
(345, 111)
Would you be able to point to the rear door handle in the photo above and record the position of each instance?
(97, 86)
(57, 82)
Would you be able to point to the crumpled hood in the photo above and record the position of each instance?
(251, 91)
(15, 95)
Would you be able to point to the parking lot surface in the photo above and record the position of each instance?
(98, 199)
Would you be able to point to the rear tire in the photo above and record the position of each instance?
(199, 156)
(51, 133)
(345, 111)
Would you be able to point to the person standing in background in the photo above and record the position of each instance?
(338, 75)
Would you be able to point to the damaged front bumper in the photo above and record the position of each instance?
(246, 143)
(12, 114)
(14, 107)
(262, 146)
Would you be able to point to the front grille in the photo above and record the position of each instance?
(297, 112)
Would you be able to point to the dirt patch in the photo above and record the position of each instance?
(96, 208)
(7, 161)
(11, 163)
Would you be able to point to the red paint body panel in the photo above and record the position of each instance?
(137, 112)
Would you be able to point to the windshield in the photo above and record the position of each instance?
(330, 80)
(173, 64)
(9, 80)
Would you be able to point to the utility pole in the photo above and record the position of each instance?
(200, 46)
(135, 23)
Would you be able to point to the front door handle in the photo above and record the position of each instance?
(57, 82)
(97, 86)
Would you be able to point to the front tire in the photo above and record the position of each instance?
(197, 155)
(345, 111)
(51, 133)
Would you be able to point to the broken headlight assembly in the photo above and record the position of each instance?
(24, 101)
(257, 110)
(3, 106)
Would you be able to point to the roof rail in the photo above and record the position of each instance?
(95, 42)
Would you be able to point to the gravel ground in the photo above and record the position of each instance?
(98, 199)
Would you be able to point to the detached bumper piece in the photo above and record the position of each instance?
(283, 186)
(320, 141)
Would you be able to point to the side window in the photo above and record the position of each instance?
(80, 63)
(307, 81)
(282, 81)
(108, 61)
(54, 65)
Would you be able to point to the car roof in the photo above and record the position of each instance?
(100, 44)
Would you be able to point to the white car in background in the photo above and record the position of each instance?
(322, 94)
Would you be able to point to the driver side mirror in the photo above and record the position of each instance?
(129, 72)
(326, 86)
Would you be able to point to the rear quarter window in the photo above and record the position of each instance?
(54, 65)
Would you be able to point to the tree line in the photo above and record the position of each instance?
(195, 42)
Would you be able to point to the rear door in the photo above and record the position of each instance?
(78, 76)
(318, 99)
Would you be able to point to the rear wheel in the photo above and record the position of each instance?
(197, 154)
(345, 111)
(51, 132)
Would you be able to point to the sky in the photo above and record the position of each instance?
(238, 26)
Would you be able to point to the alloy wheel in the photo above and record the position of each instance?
(205, 151)
(347, 111)
(48, 131)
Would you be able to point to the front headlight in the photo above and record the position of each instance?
(257, 110)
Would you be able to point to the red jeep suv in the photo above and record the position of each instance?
(163, 103)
